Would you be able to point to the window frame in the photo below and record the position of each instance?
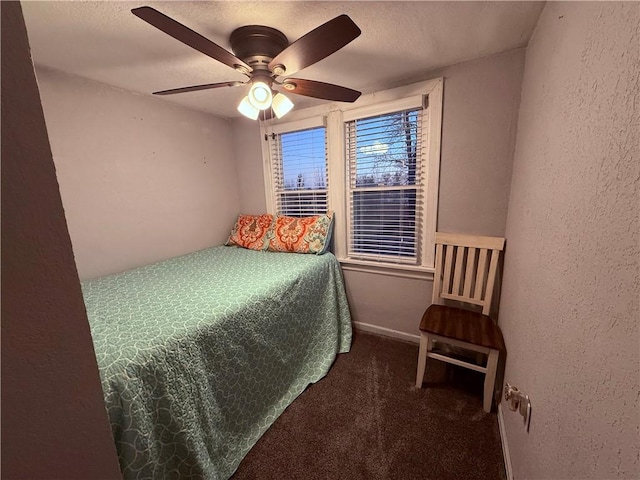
(333, 117)
(410, 103)
(287, 127)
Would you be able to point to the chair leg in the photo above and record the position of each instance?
(490, 379)
(422, 358)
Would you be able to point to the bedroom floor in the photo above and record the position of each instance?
(366, 420)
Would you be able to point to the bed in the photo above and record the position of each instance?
(200, 354)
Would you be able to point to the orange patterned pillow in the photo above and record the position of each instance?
(251, 231)
(302, 235)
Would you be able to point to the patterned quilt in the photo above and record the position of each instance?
(200, 354)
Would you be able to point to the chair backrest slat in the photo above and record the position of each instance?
(468, 275)
(470, 265)
(482, 265)
(448, 261)
(493, 268)
(437, 279)
(457, 275)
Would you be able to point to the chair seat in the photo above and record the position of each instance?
(464, 325)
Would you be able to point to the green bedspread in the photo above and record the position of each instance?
(200, 354)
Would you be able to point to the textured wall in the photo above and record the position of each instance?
(480, 116)
(480, 112)
(247, 146)
(571, 289)
(54, 424)
(141, 179)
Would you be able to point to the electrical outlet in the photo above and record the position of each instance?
(518, 402)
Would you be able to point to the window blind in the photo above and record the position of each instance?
(299, 169)
(385, 186)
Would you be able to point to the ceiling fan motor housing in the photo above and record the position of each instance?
(257, 45)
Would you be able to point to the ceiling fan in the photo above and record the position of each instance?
(265, 56)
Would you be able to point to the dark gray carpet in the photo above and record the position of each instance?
(366, 420)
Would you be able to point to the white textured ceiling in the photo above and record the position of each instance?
(400, 41)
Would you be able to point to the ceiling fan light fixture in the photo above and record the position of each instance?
(281, 105)
(260, 95)
(248, 110)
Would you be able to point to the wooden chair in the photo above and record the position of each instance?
(466, 268)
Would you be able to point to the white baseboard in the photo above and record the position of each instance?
(387, 332)
(505, 445)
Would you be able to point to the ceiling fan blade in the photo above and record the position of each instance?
(326, 91)
(189, 37)
(194, 88)
(315, 45)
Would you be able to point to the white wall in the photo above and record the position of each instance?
(141, 179)
(248, 151)
(480, 111)
(54, 424)
(570, 299)
(480, 118)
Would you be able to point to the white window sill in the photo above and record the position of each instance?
(404, 271)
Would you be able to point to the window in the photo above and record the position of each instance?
(385, 186)
(299, 171)
(375, 164)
